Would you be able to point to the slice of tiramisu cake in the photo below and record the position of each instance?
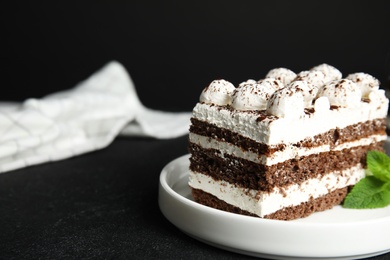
(287, 145)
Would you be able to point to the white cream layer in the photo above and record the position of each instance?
(285, 131)
(265, 203)
(290, 151)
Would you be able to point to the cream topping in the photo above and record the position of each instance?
(378, 96)
(219, 92)
(314, 77)
(253, 96)
(265, 203)
(273, 130)
(366, 82)
(308, 91)
(249, 81)
(286, 103)
(284, 75)
(321, 105)
(271, 83)
(343, 93)
(320, 87)
(330, 72)
(289, 152)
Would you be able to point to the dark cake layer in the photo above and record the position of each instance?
(252, 175)
(332, 137)
(303, 210)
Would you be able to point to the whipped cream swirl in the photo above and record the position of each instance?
(284, 75)
(321, 105)
(271, 83)
(344, 93)
(309, 92)
(253, 96)
(314, 77)
(286, 94)
(249, 81)
(219, 92)
(286, 103)
(366, 82)
(330, 72)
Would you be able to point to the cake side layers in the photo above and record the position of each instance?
(302, 210)
(287, 153)
(286, 145)
(375, 129)
(263, 203)
(271, 130)
(247, 174)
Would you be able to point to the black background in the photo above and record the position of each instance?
(104, 204)
(173, 49)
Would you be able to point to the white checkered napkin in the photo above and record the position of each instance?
(83, 119)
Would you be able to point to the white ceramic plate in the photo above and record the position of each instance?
(334, 234)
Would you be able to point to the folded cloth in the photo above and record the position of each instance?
(83, 119)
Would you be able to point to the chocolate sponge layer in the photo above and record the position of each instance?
(247, 174)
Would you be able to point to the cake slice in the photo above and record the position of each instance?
(287, 145)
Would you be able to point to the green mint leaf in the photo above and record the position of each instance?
(370, 192)
(378, 164)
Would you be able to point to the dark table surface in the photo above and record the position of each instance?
(101, 205)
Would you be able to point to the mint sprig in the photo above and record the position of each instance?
(373, 191)
(378, 164)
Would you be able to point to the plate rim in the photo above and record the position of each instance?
(213, 210)
(179, 162)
